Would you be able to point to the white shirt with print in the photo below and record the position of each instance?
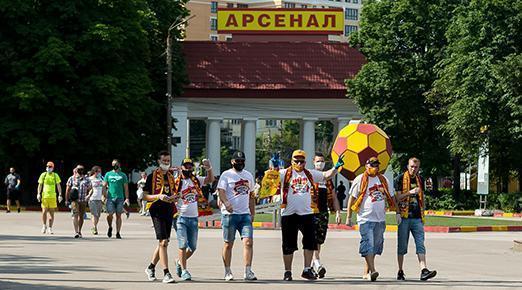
(97, 187)
(299, 198)
(237, 186)
(188, 203)
(373, 206)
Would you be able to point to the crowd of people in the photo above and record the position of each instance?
(174, 197)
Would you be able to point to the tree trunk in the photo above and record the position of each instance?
(456, 177)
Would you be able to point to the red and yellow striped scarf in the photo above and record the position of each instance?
(314, 193)
(364, 186)
(158, 186)
(406, 187)
(203, 208)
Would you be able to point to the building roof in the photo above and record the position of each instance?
(269, 69)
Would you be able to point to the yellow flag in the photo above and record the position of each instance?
(269, 184)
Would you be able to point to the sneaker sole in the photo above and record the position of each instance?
(374, 276)
(432, 275)
(169, 281)
(321, 273)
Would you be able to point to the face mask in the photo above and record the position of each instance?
(298, 167)
(372, 171)
(319, 165)
(116, 167)
(187, 173)
(99, 175)
(238, 166)
(49, 169)
(164, 167)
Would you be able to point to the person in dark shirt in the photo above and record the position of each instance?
(12, 182)
(341, 193)
(158, 193)
(409, 187)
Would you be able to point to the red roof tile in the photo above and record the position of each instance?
(227, 68)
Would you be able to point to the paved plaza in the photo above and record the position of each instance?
(30, 260)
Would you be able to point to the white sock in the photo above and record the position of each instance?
(316, 263)
(307, 268)
(248, 269)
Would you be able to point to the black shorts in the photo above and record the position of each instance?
(162, 227)
(290, 227)
(161, 215)
(321, 226)
(13, 194)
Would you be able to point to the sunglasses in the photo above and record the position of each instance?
(299, 161)
(375, 165)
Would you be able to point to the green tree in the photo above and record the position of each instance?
(478, 83)
(402, 41)
(81, 80)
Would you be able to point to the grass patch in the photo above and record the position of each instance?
(430, 220)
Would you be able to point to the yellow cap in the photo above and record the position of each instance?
(187, 160)
(299, 153)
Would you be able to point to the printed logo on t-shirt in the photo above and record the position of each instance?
(376, 192)
(300, 185)
(241, 187)
(188, 195)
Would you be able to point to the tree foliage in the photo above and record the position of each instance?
(83, 80)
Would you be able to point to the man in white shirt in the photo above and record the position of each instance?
(188, 188)
(237, 203)
(299, 203)
(368, 196)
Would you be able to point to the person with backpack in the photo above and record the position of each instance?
(12, 181)
(188, 189)
(48, 184)
(78, 187)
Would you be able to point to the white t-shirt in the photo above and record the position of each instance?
(97, 187)
(238, 187)
(373, 206)
(188, 203)
(299, 198)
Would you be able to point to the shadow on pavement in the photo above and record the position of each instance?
(20, 264)
(8, 285)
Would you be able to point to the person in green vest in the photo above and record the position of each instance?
(117, 185)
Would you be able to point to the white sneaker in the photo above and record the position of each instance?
(151, 274)
(229, 276)
(50, 230)
(44, 229)
(168, 278)
(250, 276)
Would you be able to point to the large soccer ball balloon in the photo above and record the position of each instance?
(359, 142)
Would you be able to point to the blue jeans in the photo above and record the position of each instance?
(230, 223)
(115, 205)
(187, 233)
(416, 227)
(372, 238)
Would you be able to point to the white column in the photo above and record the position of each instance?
(248, 142)
(339, 124)
(179, 132)
(308, 139)
(213, 141)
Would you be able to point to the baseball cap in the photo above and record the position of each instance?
(50, 164)
(187, 160)
(298, 153)
(238, 155)
(373, 161)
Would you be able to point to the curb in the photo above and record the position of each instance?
(389, 228)
(449, 213)
(509, 215)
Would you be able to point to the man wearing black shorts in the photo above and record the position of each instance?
(12, 181)
(158, 193)
(299, 203)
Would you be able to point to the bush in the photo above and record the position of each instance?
(508, 202)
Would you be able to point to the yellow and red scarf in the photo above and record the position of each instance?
(404, 204)
(158, 186)
(313, 190)
(203, 208)
(364, 186)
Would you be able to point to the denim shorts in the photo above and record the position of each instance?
(372, 238)
(187, 232)
(230, 223)
(115, 205)
(416, 227)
